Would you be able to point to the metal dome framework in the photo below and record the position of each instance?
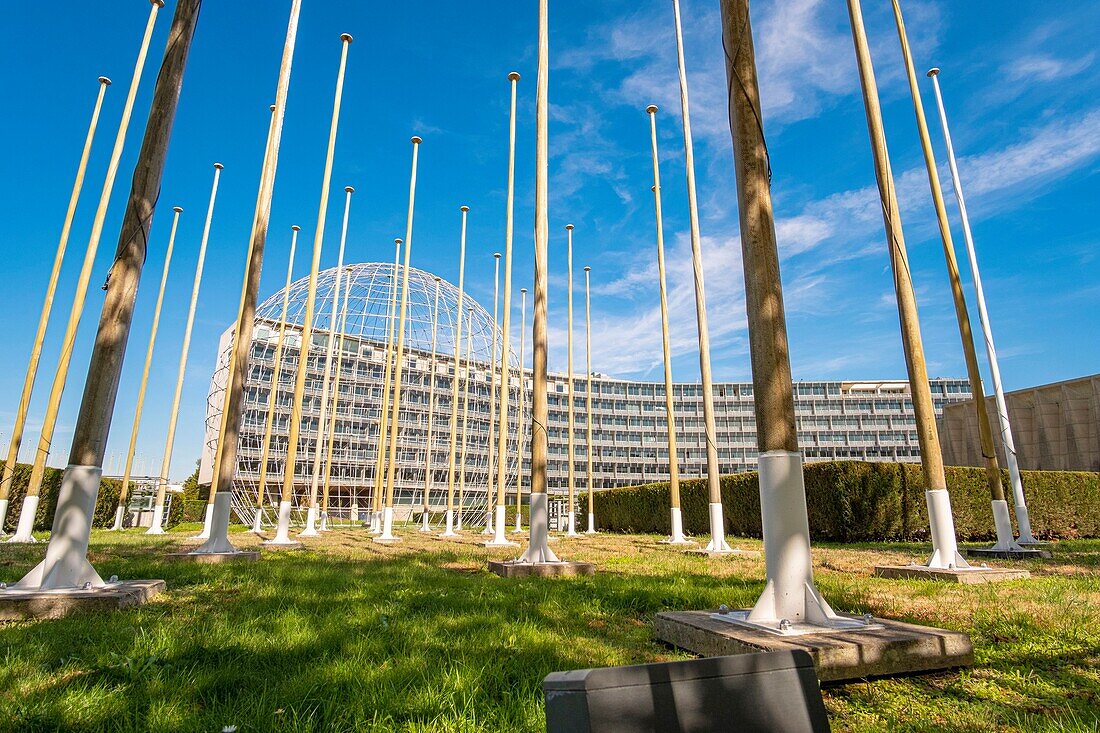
(362, 331)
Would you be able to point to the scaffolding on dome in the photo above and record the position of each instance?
(359, 401)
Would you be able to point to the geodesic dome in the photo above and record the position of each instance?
(357, 319)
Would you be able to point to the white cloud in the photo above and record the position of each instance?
(837, 228)
(1044, 67)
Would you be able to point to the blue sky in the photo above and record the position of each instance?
(1021, 84)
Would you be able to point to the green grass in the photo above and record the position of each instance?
(348, 635)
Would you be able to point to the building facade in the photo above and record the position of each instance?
(859, 420)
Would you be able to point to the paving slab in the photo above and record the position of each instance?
(893, 648)
(24, 605)
(1024, 554)
(973, 576)
(214, 558)
(513, 569)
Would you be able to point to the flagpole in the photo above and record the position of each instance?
(384, 418)
(1002, 521)
(449, 530)
(521, 422)
(276, 377)
(125, 485)
(465, 418)
(945, 553)
(326, 380)
(1023, 520)
(399, 358)
(499, 537)
(425, 525)
(282, 530)
(331, 430)
(490, 465)
(20, 423)
(23, 532)
(714, 483)
(676, 519)
(538, 550)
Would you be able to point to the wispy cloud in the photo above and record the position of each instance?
(1045, 67)
(813, 244)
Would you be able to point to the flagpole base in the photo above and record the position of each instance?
(538, 551)
(500, 539)
(717, 544)
(24, 530)
(66, 565)
(219, 543)
(387, 536)
(282, 529)
(205, 534)
(311, 523)
(157, 525)
(118, 519)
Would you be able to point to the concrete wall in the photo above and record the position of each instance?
(1056, 427)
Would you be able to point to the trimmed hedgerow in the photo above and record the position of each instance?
(47, 504)
(854, 501)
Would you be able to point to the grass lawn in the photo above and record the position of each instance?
(348, 635)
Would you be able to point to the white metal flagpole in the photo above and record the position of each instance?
(714, 491)
(1022, 517)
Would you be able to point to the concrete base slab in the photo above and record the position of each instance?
(894, 648)
(973, 576)
(214, 558)
(729, 553)
(284, 546)
(23, 605)
(1029, 553)
(387, 540)
(515, 569)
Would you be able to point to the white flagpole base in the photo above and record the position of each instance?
(1002, 522)
(591, 524)
(449, 530)
(24, 530)
(571, 530)
(324, 522)
(282, 529)
(3, 516)
(425, 522)
(518, 529)
(66, 565)
(205, 534)
(1023, 521)
(500, 539)
(717, 530)
(219, 543)
(790, 604)
(945, 549)
(387, 535)
(677, 537)
(538, 551)
(375, 523)
(118, 519)
(257, 521)
(157, 525)
(311, 523)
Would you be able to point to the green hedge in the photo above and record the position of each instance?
(47, 505)
(853, 501)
